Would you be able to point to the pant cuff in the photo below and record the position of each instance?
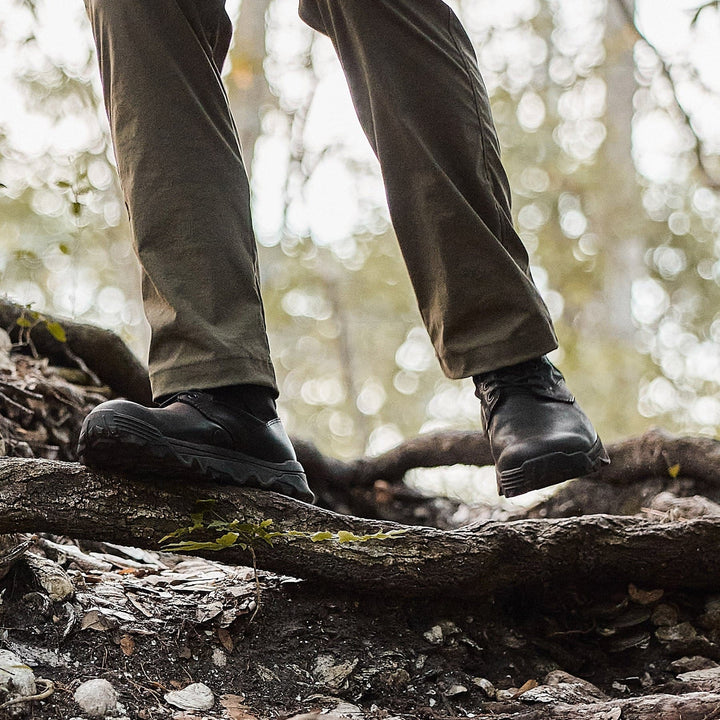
(213, 373)
(492, 357)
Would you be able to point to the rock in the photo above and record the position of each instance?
(707, 680)
(688, 664)
(664, 615)
(711, 618)
(442, 632)
(562, 687)
(682, 631)
(96, 697)
(16, 678)
(219, 658)
(456, 690)
(486, 686)
(434, 635)
(197, 696)
(330, 673)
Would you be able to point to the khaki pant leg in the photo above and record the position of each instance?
(186, 189)
(416, 86)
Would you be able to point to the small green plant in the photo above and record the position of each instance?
(247, 536)
(29, 319)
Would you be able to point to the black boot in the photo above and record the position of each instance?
(205, 435)
(538, 434)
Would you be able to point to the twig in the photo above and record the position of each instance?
(49, 690)
(258, 588)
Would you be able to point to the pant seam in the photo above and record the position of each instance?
(451, 17)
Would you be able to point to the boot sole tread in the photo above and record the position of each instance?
(121, 443)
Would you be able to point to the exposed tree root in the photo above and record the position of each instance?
(68, 499)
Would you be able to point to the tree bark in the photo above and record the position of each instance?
(537, 555)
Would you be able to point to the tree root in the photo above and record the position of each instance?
(536, 555)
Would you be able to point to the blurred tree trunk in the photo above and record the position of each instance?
(616, 214)
(247, 85)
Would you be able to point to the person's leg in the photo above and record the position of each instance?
(422, 103)
(418, 93)
(187, 194)
(186, 189)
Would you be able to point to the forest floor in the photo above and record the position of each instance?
(153, 624)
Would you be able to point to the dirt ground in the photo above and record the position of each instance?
(156, 623)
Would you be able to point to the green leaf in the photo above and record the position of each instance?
(320, 536)
(24, 322)
(227, 539)
(56, 330)
(190, 546)
(344, 536)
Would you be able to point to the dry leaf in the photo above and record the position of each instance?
(226, 639)
(644, 597)
(673, 471)
(235, 709)
(95, 620)
(529, 685)
(127, 645)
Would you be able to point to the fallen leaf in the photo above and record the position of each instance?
(235, 709)
(529, 685)
(127, 645)
(644, 597)
(674, 470)
(226, 639)
(95, 620)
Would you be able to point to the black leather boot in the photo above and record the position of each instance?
(538, 434)
(193, 434)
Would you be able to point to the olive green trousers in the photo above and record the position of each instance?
(415, 84)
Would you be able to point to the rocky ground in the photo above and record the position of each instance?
(182, 638)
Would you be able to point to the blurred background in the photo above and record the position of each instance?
(607, 114)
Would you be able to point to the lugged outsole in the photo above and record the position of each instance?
(551, 469)
(117, 442)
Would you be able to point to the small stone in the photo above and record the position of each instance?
(694, 662)
(219, 658)
(670, 633)
(16, 678)
(196, 696)
(664, 615)
(456, 690)
(486, 686)
(434, 635)
(644, 597)
(332, 674)
(562, 687)
(707, 680)
(96, 697)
